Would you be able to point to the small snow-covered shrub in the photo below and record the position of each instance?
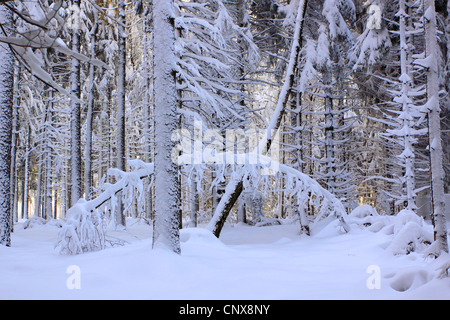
(444, 270)
(363, 211)
(38, 221)
(409, 232)
(83, 231)
(410, 237)
(84, 228)
(365, 216)
(33, 221)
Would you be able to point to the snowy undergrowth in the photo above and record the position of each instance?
(273, 262)
(408, 231)
(84, 227)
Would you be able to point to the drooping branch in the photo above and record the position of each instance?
(39, 38)
(83, 229)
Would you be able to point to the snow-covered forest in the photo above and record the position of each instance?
(308, 139)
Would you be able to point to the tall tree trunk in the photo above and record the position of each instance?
(167, 186)
(330, 176)
(15, 126)
(41, 160)
(447, 74)
(408, 153)
(89, 116)
(147, 107)
(6, 107)
(75, 113)
(55, 204)
(26, 174)
(194, 202)
(120, 216)
(434, 129)
(47, 211)
(243, 22)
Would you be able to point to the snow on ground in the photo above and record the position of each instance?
(246, 263)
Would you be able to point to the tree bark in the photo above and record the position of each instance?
(407, 118)
(15, 125)
(166, 232)
(6, 107)
(26, 175)
(434, 129)
(75, 114)
(89, 116)
(121, 83)
(147, 107)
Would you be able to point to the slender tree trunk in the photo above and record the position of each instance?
(66, 198)
(26, 175)
(22, 208)
(241, 210)
(194, 202)
(37, 207)
(120, 216)
(6, 107)
(15, 126)
(89, 117)
(243, 22)
(148, 108)
(434, 129)
(47, 204)
(75, 114)
(47, 212)
(55, 204)
(167, 186)
(408, 153)
(109, 132)
(330, 176)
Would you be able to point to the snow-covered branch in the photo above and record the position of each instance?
(299, 185)
(84, 228)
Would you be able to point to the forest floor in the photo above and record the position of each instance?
(273, 262)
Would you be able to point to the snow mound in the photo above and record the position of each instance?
(201, 242)
(366, 216)
(198, 235)
(411, 234)
(328, 227)
(363, 211)
(34, 222)
(403, 218)
(411, 237)
(408, 231)
(410, 279)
